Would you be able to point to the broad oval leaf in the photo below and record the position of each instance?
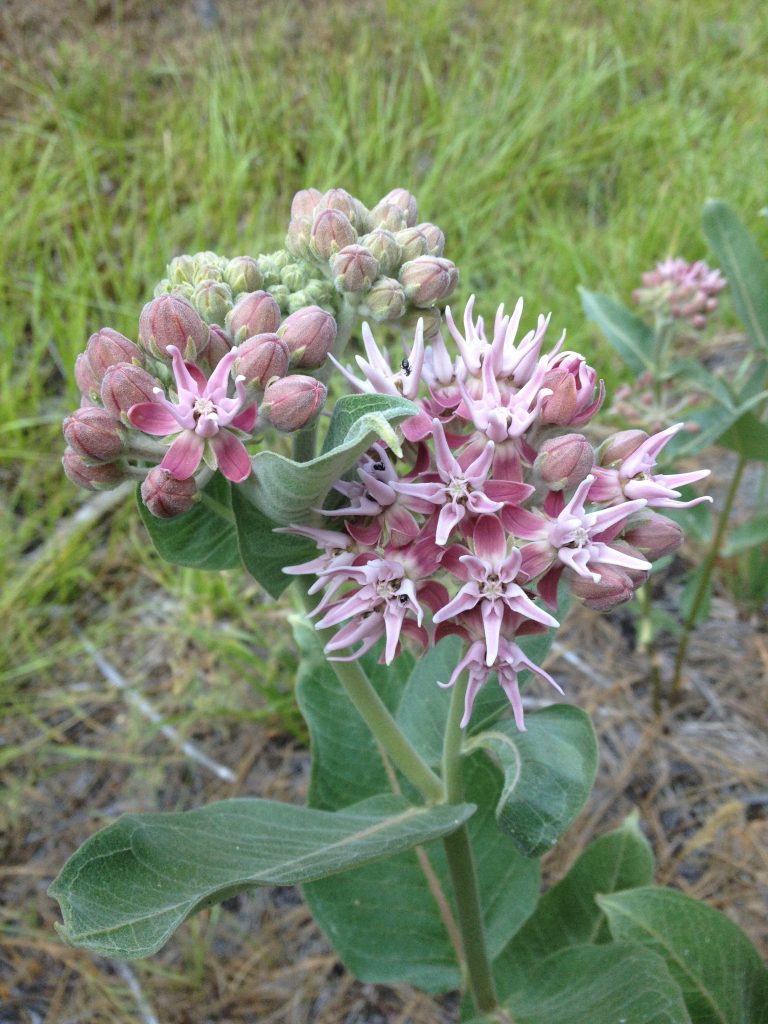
(128, 888)
(288, 491)
(567, 914)
(411, 941)
(548, 774)
(615, 984)
(719, 971)
(202, 538)
(628, 335)
(744, 266)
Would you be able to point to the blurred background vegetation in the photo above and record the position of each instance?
(554, 144)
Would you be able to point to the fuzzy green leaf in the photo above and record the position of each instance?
(129, 887)
(549, 771)
(630, 337)
(287, 491)
(719, 971)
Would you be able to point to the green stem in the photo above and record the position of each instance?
(645, 638)
(706, 574)
(458, 851)
(376, 716)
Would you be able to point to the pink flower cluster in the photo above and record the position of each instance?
(172, 426)
(498, 498)
(684, 291)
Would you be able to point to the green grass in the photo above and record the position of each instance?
(554, 149)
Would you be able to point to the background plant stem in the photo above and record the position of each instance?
(458, 850)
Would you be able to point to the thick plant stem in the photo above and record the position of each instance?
(706, 574)
(376, 716)
(461, 865)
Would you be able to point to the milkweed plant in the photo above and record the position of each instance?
(437, 499)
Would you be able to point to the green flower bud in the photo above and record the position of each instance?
(181, 270)
(242, 275)
(386, 300)
(388, 217)
(269, 269)
(354, 269)
(297, 300)
(383, 246)
(295, 276)
(213, 300)
(320, 292)
(412, 242)
(431, 319)
(281, 295)
(331, 231)
(434, 237)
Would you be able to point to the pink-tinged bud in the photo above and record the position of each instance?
(94, 434)
(165, 496)
(339, 199)
(354, 269)
(172, 320)
(386, 300)
(561, 406)
(412, 242)
(653, 535)
(101, 477)
(85, 377)
(615, 449)
(304, 202)
(299, 234)
(309, 334)
(125, 385)
(217, 347)
(573, 382)
(432, 321)
(434, 237)
(614, 588)
(403, 200)
(255, 313)
(388, 217)
(331, 232)
(428, 279)
(242, 275)
(213, 300)
(262, 359)
(563, 462)
(107, 348)
(291, 403)
(383, 246)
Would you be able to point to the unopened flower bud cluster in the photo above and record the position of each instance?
(188, 396)
(499, 498)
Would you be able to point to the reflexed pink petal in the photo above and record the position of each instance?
(522, 523)
(547, 587)
(489, 539)
(183, 457)
(449, 518)
(152, 418)
(232, 456)
(246, 419)
(197, 375)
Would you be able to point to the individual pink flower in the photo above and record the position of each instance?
(462, 487)
(200, 416)
(508, 663)
(633, 478)
(489, 581)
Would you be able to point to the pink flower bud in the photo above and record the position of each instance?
(412, 242)
(331, 231)
(107, 348)
(615, 449)
(403, 200)
(384, 247)
(386, 300)
(94, 434)
(165, 496)
(291, 403)
(388, 217)
(85, 377)
(242, 275)
(434, 237)
(563, 462)
(428, 279)
(572, 381)
(614, 588)
(217, 347)
(255, 313)
(309, 334)
(299, 234)
(101, 477)
(339, 199)
(172, 320)
(653, 535)
(125, 385)
(304, 202)
(354, 269)
(262, 359)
